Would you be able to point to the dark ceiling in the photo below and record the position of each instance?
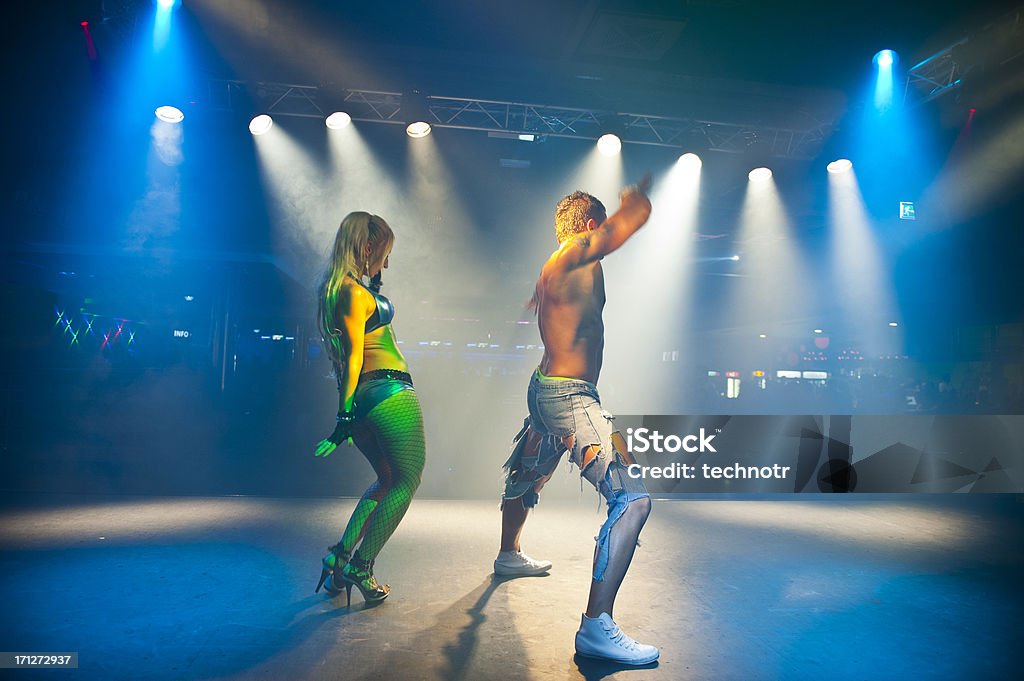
(703, 56)
(816, 44)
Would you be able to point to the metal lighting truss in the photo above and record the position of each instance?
(540, 120)
(277, 99)
(934, 77)
(995, 45)
(634, 128)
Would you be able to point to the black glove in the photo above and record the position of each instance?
(342, 432)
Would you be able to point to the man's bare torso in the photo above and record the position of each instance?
(569, 315)
(570, 291)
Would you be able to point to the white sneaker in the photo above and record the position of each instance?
(518, 564)
(600, 637)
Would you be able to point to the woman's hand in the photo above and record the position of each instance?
(343, 432)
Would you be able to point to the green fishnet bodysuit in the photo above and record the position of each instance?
(391, 438)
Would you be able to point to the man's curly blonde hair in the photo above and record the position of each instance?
(572, 213)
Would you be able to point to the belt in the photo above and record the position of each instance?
(392, 374)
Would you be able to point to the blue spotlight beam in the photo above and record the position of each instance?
(885, 80)
(162, 23)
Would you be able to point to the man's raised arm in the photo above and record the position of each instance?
(634, 209)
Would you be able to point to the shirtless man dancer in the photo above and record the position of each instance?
(566, 415)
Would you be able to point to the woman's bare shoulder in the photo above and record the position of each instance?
(354, 298)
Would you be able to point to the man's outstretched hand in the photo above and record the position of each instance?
(633, 198)
(641, 187)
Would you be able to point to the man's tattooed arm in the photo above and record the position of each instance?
(582, 241)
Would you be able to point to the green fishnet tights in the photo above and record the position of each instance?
(391, 438)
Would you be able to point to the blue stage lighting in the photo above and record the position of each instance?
(760, 174)
(162, 23)
(885, 59)
(885, 83)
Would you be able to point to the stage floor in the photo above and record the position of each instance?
(809, 587)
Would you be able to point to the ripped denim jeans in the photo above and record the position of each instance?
(567, 414)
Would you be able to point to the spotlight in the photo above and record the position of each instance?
(735, 258)
(818, 331)
(893, 324)
(885, 59)
(260, 124)
(690, 161)
(609, 144)
(840, 165)
(613, 129)
(418, 129)
(338, 120)
(760, 174)
(415, 110)
(166, 4)
(169, 114)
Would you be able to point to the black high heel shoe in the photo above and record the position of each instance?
(359, 573)
(334, 562)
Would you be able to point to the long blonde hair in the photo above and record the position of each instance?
(348, 257)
